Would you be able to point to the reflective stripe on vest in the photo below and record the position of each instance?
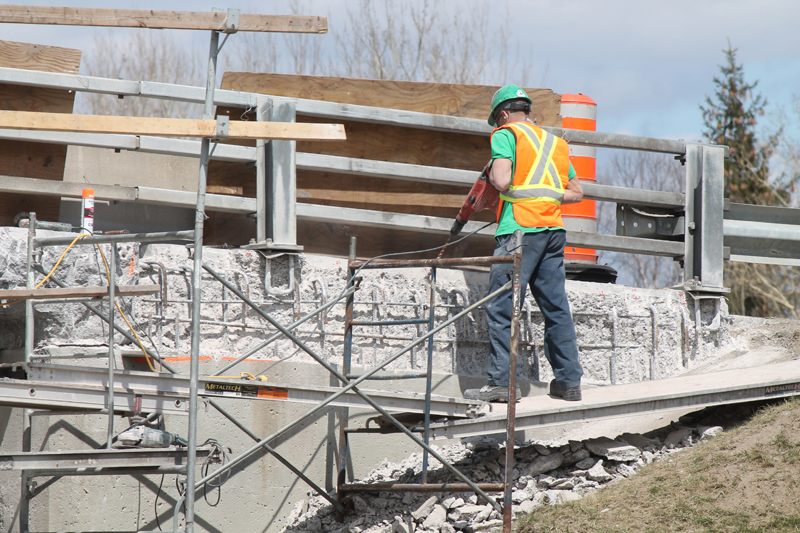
(536, 186)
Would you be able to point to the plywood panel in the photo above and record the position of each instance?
(39, 57)
(471, 101)
(380, 194)
(404, 145)
(34, 160)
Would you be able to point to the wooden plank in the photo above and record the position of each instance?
(222, 189)
(39, 57)
(471, 101)
(27, 159)
(380, 194)
(77, 292)
(405, 145)
(334, 239)
(168, 127)
(177, 20)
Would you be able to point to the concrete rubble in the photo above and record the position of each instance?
(625, 334)
(545, 474)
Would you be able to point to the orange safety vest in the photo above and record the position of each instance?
(541, 171)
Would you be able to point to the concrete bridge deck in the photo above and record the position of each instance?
(688, 391)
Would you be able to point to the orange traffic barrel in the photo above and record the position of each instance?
(579, 112)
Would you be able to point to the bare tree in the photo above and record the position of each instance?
(786, 158)
(641, 170)
(776, 288)
(429, 43)
(294, 53)
(142, 56)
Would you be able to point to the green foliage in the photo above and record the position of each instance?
(731, 118)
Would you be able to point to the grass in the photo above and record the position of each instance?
(747, 480)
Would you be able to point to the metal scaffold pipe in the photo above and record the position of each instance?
(197, 288)
(112, 282)
(290, 327)
(347, 386)
(161, 236)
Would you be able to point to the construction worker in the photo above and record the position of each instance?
(532, 171)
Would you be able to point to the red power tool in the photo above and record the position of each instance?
(482, 196)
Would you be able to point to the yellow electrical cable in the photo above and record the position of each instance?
(81, 236)
(244, 375)
(138, 340)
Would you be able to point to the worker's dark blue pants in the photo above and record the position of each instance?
(543, 270)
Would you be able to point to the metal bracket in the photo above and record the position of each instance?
(223, 123)
(273, 246)
(649, 222)
(232, 21)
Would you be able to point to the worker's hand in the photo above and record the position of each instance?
(500, 174)
(487, 169)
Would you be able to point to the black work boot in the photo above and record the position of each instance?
(571, 394)
(490, 393)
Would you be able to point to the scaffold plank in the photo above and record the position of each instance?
(89, 398)
(77, 292)
(161, 20)
(97, 462)
(168, 127)
(177, 386)
(699, 390)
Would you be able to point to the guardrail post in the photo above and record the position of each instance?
(705, 181)
(263, 108)
(280, 186)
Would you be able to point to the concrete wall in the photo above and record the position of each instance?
(259, 496)
(130, 169)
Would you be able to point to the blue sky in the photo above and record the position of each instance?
(647, 64)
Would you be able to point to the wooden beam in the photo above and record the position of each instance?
(472, 101)
(176, 20)
(77, 292)
(43, 58)
(168, 127)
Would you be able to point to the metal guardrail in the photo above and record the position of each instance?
(741, 232)
(315, 108)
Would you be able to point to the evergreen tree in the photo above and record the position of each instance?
(730, 118)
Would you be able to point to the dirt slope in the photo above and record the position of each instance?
(746, 481)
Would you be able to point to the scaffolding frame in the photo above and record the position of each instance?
(354, 267)
(702, 251)
(219, 21)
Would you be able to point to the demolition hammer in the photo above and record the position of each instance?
(482, 196)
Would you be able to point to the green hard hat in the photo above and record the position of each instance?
(504, 94)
